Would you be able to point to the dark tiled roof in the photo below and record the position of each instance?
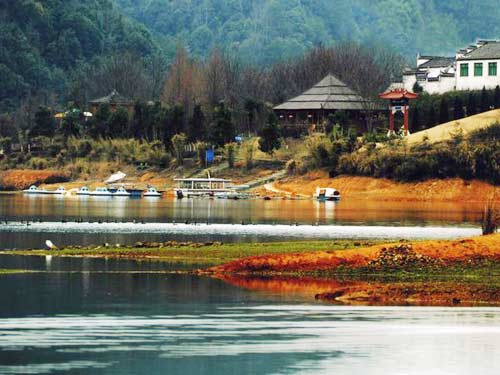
(113, 98)
(330, 93)
(490, 50)
(438, 62)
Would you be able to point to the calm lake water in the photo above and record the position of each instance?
(82, 317)
(16, 208)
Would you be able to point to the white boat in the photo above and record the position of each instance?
(151, 192)
(327, 194)
(121, 192)
(83, 191)
(101, 192)
(34, 190)
(199, 187)
(59, 191)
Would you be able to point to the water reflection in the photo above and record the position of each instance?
(17, 206)
(179, 324)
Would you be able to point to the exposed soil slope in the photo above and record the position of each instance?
(382, 189)
(23, 179)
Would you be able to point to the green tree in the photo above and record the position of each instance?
(197, 129)
(71, 124)
(44, 123)
(222, 129)
(99, 124)
(458, 108)
(485, 100)
(415, 120)
(118, 123)
(179, 142)
(471, 104)
(431, 120)
(417, 88)
(444, 112)
(229, 153)
(270, 135)
(496, 97)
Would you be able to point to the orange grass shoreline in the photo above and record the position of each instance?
(313, 274)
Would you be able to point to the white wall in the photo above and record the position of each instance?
(477, 83)
(409, 82)
(444, 84)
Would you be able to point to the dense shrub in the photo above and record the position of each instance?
(476, 156)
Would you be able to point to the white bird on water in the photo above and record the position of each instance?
(50, 245)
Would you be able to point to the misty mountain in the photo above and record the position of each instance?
(264, 31)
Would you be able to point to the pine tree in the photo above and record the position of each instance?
(222, 129)
(432, 117)
(444, 115)
(471, 104)
(485, 100)
(197, 130)
(270, 135)
(458, 108)
(44, 123)
(415, 120)
(496, 97)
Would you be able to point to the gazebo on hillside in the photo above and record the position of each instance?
(114, 100)
(312, 107)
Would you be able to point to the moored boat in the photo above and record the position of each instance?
(152, 192)
(33, 190)
(121, 192)
(59, 191)
(101, 192)
(327, 194)
(84, 190)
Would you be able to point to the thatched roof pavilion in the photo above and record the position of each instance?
(312, 107)
(328, 94)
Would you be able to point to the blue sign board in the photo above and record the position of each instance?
(209, 156)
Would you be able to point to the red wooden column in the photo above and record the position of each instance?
(407, 120)
(399, 99)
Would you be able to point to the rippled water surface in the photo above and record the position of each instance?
(102, 220)
(88, 320)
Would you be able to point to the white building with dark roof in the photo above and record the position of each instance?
(472, 68)
(434, 74)
(477, 67)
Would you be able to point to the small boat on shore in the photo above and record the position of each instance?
(326, 194)
(151, 192)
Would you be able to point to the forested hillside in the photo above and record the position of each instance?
(268, 30)
(44, 43)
